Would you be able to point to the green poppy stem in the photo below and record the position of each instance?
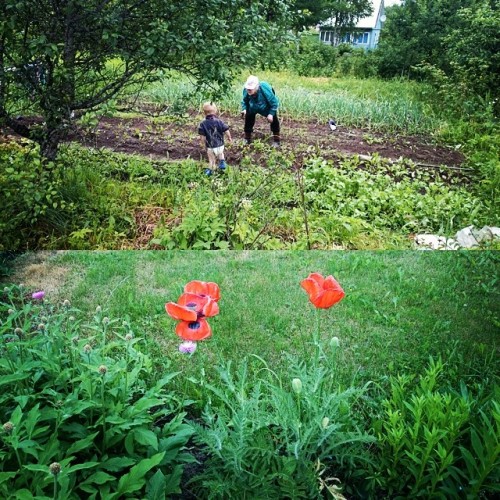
(317, 345)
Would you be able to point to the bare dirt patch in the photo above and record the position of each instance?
(37, 271)
(178, 139)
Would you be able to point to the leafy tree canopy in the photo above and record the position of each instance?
(60, 57)
(414, 32)
(340, 14)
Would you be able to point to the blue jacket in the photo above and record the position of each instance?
(263, 102)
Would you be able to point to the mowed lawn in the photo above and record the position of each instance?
(399, 309)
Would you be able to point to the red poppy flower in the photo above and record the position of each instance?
(191, 307)
(193, 330)
(204, 288)
(323, 292)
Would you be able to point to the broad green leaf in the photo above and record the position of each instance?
(5, 476)
(146, 437)
(100, 477)
(15, 377)
(155, 489)
(86, 465)
(37, 467)
(174, 480)
(24, 495)
(117, 463)
(28, 443)
(82, 444)
(134, 480)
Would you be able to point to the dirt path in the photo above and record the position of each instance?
(175, 140)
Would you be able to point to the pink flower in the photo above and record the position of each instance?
(38, 295)
(187, 347)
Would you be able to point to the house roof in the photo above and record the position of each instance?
(371, 20)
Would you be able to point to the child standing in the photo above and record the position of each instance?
(212, 131)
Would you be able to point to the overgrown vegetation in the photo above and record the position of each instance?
(96, 199)
(289, 412)
(82, 412)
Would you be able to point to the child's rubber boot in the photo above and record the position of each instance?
(248, 138)
(276, 141)
(222, 165)
(208, 172)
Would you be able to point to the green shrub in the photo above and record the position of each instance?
(356, 62)
(314, 58)
(83, 412)
(436, 443)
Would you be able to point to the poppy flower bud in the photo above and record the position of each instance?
(87, 348)
(98, 310)
(71, 318)
(297, 385)
(105, 320)
(334, 342)
(325, 422)
(75, 339)
(129, 337)
(103, 369)
(6, 290)
(66, 303)
(18, 331)
(11, 311)
(41, 326)
(55, 468)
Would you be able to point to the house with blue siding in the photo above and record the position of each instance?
(364, 35)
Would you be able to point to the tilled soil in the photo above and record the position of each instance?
(177, 139)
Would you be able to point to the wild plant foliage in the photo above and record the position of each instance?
(437, 443)
(83, 412)
(290, 428)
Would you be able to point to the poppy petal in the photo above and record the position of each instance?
(193, 301)
(331, 284)
(311, 286)
(328, 298)
(203, 288)
(318, 278)
(193, 330)
(179, 312)
(211, 308)
(213, 291)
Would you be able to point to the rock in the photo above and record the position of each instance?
(434, 242)
(488, 233)
(466, 237)
(471, 237)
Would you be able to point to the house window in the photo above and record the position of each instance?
(365, 37)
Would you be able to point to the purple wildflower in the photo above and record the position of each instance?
(187, 347)
(38, 295)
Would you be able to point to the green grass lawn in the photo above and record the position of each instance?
(399, 309)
